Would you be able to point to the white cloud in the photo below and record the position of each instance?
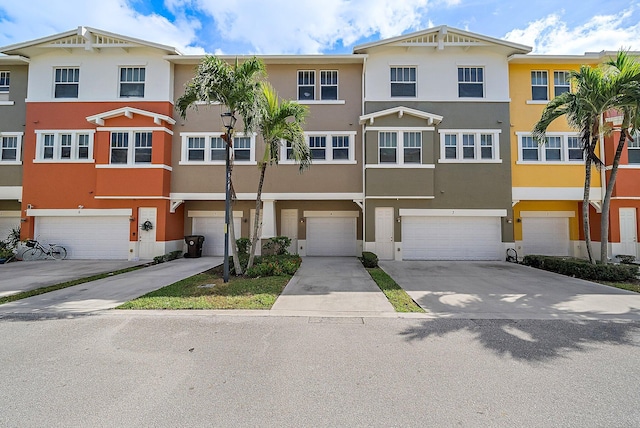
(32, 19)
(307, 26)
(551, 35)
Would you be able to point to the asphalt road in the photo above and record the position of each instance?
(194, 369)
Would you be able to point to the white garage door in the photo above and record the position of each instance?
(6, 225)
(545, 235)
(330, 236)
(451, 238)
(212, 228)
(86, 237)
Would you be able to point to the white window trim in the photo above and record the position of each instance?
(120, 82)
(415, 83)
(56, 145)
(131, 149)
(400, 149)
(337, 85)
(184, 150)
(4, 95)
(484, 81)
(477, 144)
(542, 154)
(18, 136)
(562, 86)
(531, 85)
(298, 85)
(317, 89)
(329, 148)
(66, 67)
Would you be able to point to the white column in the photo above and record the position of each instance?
(268, 219)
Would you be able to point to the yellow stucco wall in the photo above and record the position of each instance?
(523, 118)
(574, 222)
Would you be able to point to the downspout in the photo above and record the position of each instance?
(363, 136)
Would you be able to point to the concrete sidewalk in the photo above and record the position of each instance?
(110, 292)
(331, 286)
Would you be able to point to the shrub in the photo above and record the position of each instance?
(579, 268)
(274, 265)
(369, 259)
(626, 258)
(278, 245)
(243, 245)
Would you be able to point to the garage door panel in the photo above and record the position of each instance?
(86, 237)
(451, 238)
(546, 235)
(330, 236)
(212, 228)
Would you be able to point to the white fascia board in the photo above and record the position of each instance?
(79, 212)
(562, 214)
(10, 192)
(209, 214)
(99, 118)
(451, 213)
(9, 214)
(554, 194)
(336, 214)
(268, 196)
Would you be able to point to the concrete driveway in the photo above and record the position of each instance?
(24, 276)
(500, 290)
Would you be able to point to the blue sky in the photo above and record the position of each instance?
(328, 26)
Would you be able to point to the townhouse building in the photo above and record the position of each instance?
(437, 156)
(548, 179)
(13, 92)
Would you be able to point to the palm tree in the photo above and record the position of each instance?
(583, 110)
(624, 71)
(279, 122)
(235, 86)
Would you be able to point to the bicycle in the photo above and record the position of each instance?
(35, 250)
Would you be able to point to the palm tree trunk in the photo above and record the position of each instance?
(234, 247)
(606, 203)
(257, 223)
(585, 208)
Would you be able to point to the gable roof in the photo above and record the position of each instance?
(99, 119)
(401, 111)
(86, 38)
(444, 36)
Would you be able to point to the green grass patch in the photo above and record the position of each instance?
(50, 288)
(631, 286)
(397, 296)
(238, 293)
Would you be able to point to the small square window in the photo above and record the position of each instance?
(403, 81)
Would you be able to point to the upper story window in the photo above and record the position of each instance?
(403, 81)
(64, 146)
(470, 82)
(558, 147)
(633, 149)
(4, 85)
(328, 85)
(10, 147)
(132, 81)
(131, 147)
(408, 152)
(306, 85)
(66, 82)
(470, 145)
(561, 82)
(336, 147)
(539, 85)
(210, 148)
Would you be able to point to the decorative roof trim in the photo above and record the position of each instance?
(98, 119)
(401, 111)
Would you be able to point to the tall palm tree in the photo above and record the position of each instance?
(235, 86)
(594, 94)
(624, 71)
(280, 122)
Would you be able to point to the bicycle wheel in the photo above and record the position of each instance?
(58, 252)
(32, 254)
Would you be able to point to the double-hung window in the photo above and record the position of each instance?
(218, 149)
(132, 80)
(195, 148)
(10, 145)
(561, 82)
(318, 147)
(328, 85)
(64, 146)
(4, 85)
(340, 147)
(557, 148)
(539, 86)
(324, 147)
(403, 81)
(470, 82)
(400, 147)
(242, 149)
(388, 147)
(67, 80)
(128, 148)
(210, 148)
(477, 145)
(633, 149)
(412, 147)
(306, 85)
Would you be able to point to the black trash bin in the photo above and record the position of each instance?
(194, 245)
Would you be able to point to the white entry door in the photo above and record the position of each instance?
(384, 233)
(628, 231)
(147, 238)
(289, 228)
